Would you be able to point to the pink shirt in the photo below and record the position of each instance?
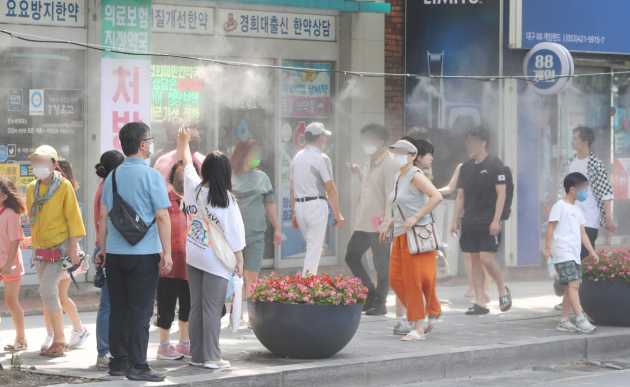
(165, 162)
(10, 231)
(97, 207)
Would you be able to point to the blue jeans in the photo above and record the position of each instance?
(102, 323)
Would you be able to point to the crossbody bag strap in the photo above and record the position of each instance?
(206, 218)
(114, 186)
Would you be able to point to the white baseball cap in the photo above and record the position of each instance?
(317, 129)
(45, 151)
(404, 146)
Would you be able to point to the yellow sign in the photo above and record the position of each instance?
(10, 171)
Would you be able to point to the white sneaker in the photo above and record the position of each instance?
(47, 343)
(414, 335)
(583, 325)
(566, 326)
(402, 327)
(77, 338)
(216, 365)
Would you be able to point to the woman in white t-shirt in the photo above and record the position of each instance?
(207, 276)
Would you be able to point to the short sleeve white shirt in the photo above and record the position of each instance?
(567, 235)
(310, 170)
(198, 252)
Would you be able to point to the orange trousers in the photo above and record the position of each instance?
(413, 278)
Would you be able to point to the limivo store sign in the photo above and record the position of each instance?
(549, 67)
(275, 25)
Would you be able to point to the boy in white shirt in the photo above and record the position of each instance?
(565, 236)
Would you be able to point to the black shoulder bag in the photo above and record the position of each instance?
(125, 219)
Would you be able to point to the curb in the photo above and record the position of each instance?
(409, 368)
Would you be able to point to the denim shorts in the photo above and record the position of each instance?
(568, 272)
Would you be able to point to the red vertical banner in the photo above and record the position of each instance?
(125, 96)
(125, 79)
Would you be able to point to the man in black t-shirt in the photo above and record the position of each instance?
(478, 209)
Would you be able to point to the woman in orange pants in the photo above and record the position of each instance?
(413, 277)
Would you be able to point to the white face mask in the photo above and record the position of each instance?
(402, 160)
(42, 172)
(370, 149)
(151, 153)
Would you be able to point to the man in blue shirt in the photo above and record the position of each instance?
(133, 270)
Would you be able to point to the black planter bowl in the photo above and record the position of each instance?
(606, 302)
(304, 331)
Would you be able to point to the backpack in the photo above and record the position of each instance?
(509, 193)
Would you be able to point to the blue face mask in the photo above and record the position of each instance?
(581, 195)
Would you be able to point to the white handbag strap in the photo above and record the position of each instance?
(204, 212)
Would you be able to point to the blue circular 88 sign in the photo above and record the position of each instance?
(549, 67)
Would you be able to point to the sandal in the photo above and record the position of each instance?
(55, 350)
(17, 347)
(414, 335)
(477, 310)
(505, 302)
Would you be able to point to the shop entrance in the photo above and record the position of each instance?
(546, 126)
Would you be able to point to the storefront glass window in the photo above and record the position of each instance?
(304, 97)
(42, 102)
(621, 153)
(245, 106)
(176, 95)
(546, 126)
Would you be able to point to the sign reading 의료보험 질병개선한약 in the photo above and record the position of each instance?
(126, 25)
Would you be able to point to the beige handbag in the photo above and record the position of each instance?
(421, 238)
(216, 239)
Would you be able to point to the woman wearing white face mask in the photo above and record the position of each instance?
(57, 227)
(412, 276)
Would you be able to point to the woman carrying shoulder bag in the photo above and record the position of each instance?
(412, 264)
(216, 239)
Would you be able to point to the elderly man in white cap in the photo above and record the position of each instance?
(312, 189)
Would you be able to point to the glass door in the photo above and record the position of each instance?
(305, 96)
(620, 117)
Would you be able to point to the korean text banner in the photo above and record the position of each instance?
(306, 93)
(277, 25)
(182, 20)
(61, 13)
(126, 24)
(125, 96)
(125, 81)
(579, 25)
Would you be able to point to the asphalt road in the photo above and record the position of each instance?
(567, 375)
